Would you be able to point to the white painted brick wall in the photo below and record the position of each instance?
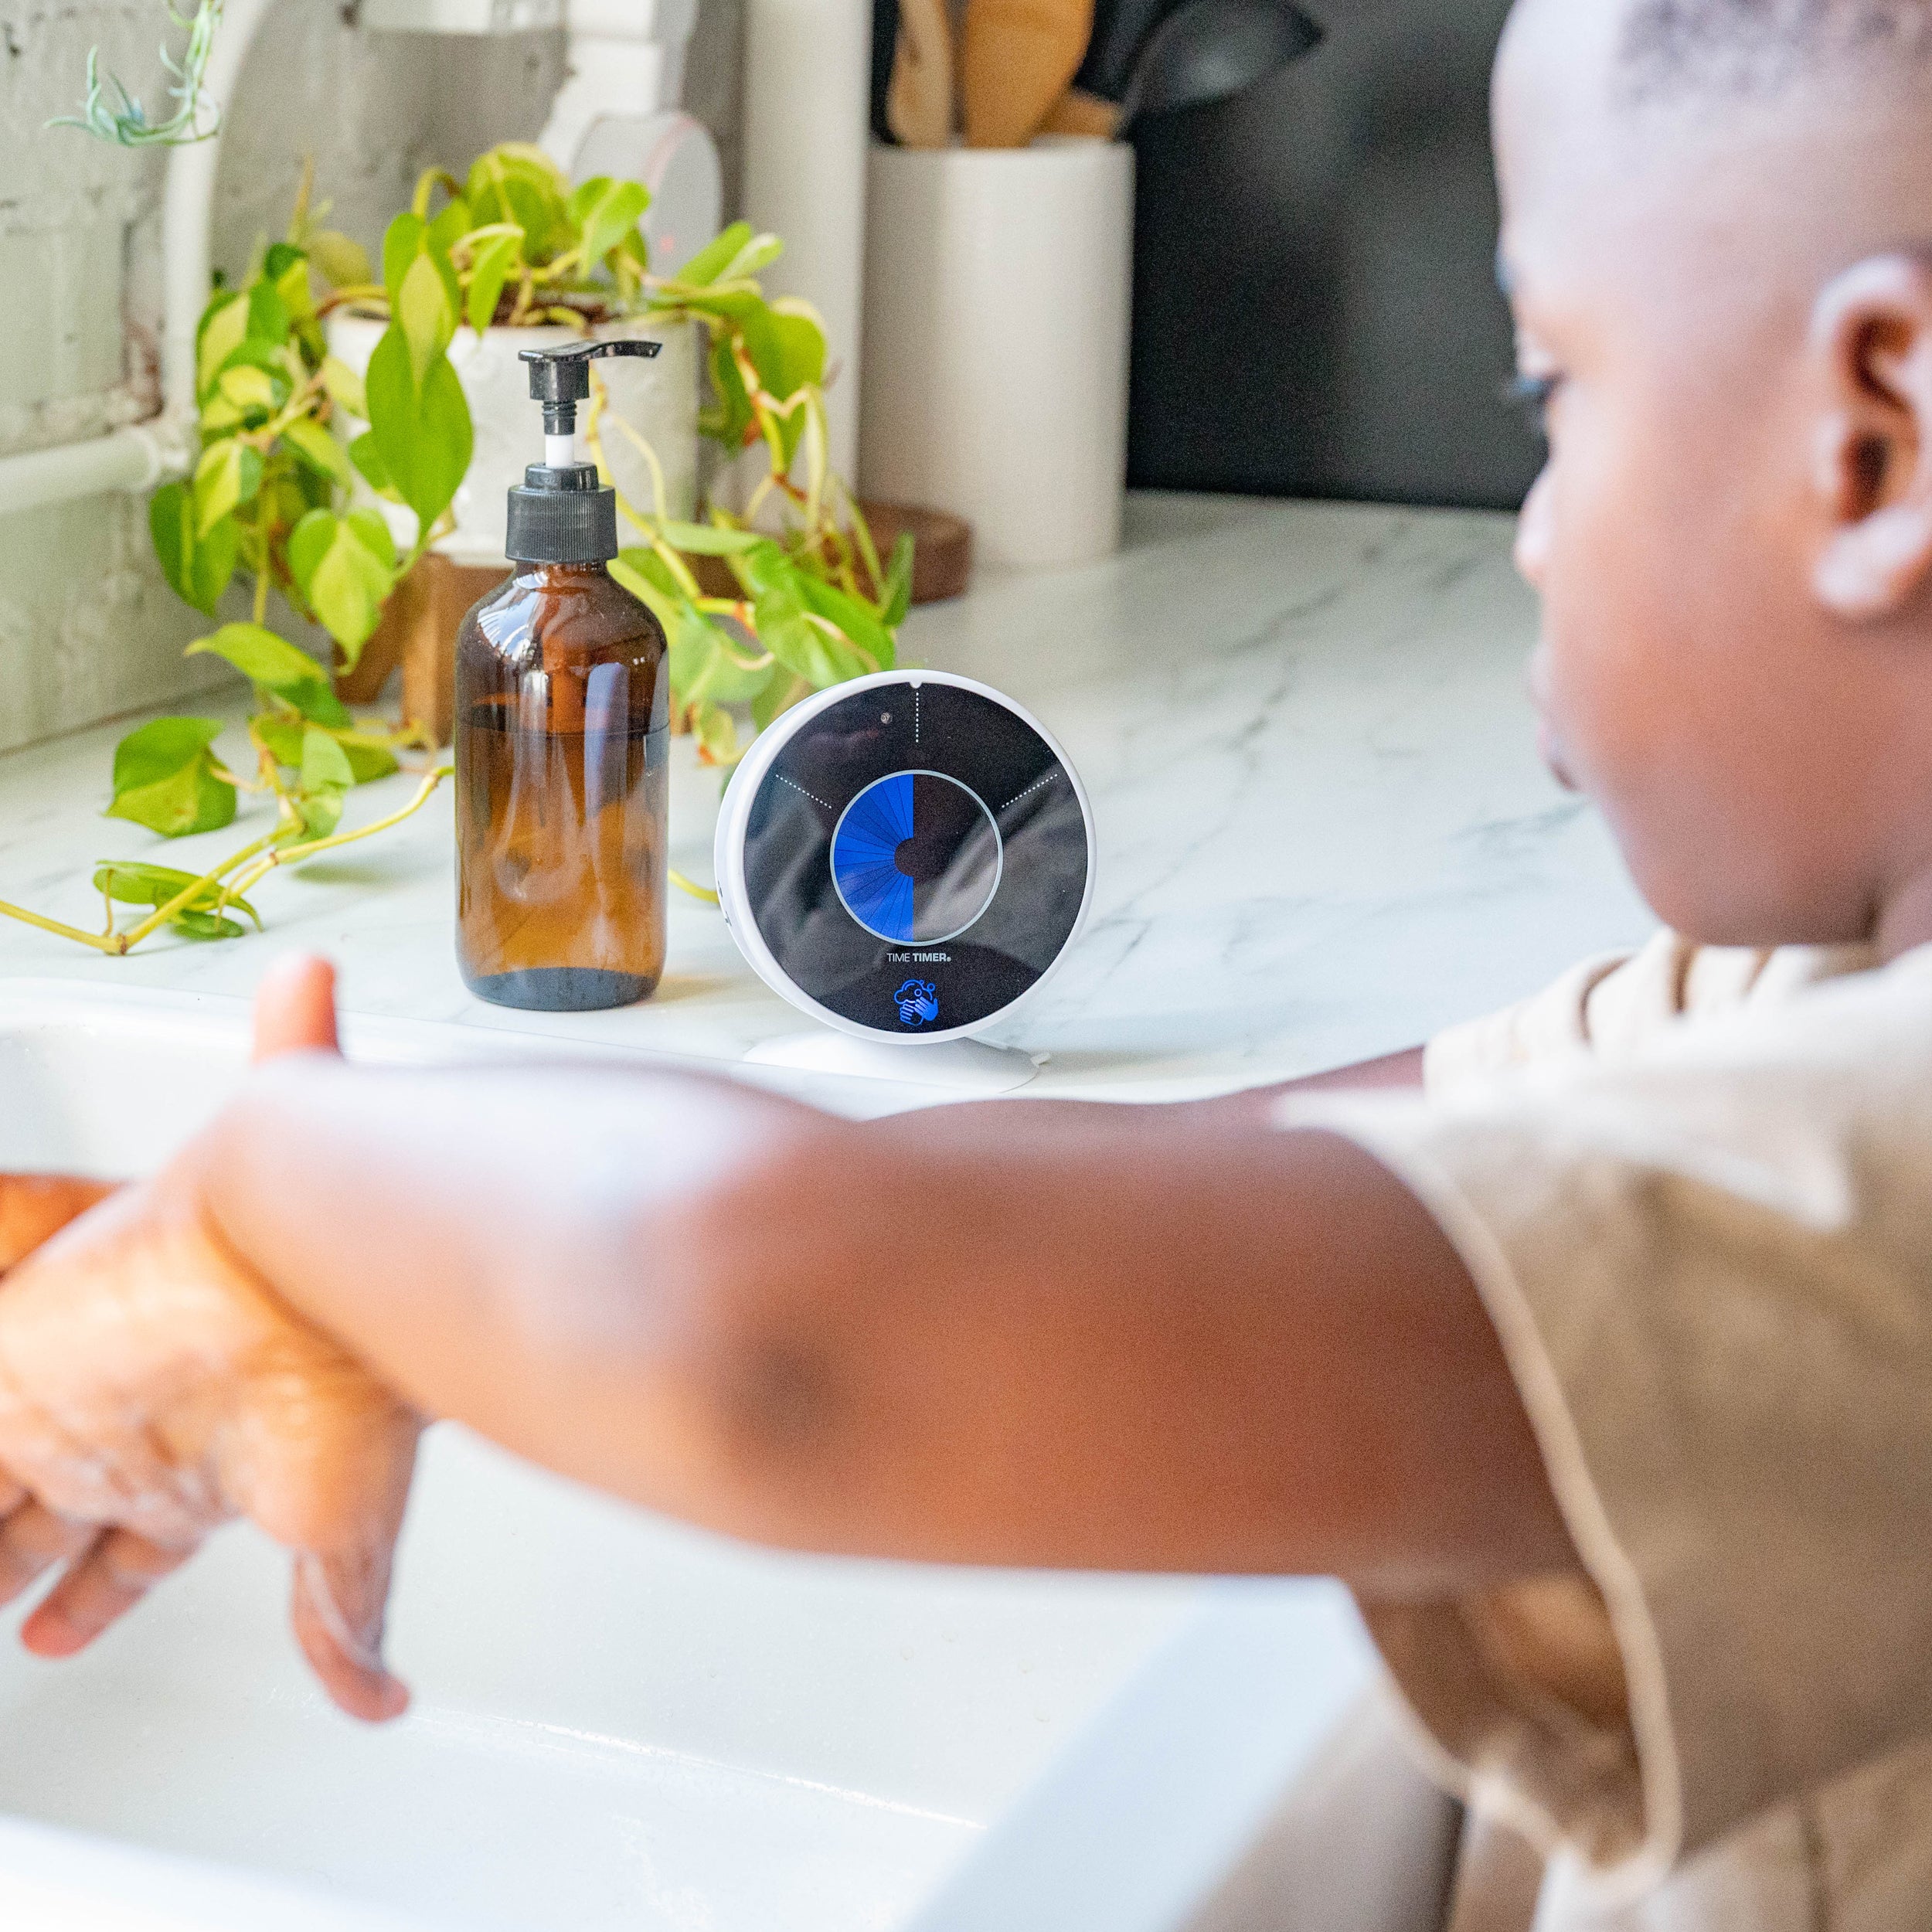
(88, 629)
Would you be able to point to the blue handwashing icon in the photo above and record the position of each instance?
(918, 1003)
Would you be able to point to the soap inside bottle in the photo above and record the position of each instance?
(562, 741)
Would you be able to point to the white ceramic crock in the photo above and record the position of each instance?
(998, 294)
(658, 398)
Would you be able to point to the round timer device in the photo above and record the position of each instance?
(906, 857)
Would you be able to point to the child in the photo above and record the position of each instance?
(1606, 1380)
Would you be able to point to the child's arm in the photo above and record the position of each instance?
(1001, 1334)
(1005, 1334)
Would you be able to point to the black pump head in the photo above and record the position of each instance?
(562, 514)
(560, 377)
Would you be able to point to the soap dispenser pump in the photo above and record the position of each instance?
(562, 738)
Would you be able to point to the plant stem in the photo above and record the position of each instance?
(100, 942)
(117, 945)
(262, 566)
(294, 855)
(161, 915)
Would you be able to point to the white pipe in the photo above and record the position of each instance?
(126, 459)
(807, 109)
(139, 457)
(188, 213)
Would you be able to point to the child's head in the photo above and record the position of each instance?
(1718, 241)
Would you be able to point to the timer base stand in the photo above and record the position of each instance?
(964, 1067)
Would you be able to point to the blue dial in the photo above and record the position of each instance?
(916, 857)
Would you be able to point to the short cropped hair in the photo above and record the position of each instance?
(1759, 47)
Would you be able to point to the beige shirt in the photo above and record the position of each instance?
(1695, 1191)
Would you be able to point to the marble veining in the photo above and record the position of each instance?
(1324, 828)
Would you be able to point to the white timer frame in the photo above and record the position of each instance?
(734, 819)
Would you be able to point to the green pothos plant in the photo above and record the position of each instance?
(813, 604)
(273, 502)
(269, 502)
(810, 603)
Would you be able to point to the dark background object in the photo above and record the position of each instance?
(885, 44)
(1121, 29)
(1206, 51)
(1315, 309)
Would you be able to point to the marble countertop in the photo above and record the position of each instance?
(1324, 828)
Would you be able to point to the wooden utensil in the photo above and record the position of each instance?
(1015, 60)
(1084, 116)
(919, 102)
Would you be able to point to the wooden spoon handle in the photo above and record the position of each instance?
(1016, 60)
(919, 100)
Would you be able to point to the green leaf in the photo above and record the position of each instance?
(287, 267)
(426, 312)
(345, 568)
(705, 540)
(710, 261)
(344, 263)
(276, 665)
(199, 925)
(717, 736)
(493, 264)
(238, 397)
(731, 420)
(782, 691)
(224, 324)
(324, 778)
(130, 883)
(268, 313)
(165, 778)
(516, 182)
(423, 434)
(368, 459)
(789, 355)
(316, 448)
(228, 475)
(783, 619)
(368, 762)
(642, 572)
(344, 387)
(282, 736)
(606, 211)
(859, 622)
(375, 535)
(449, 226)
(198, 568)
(797, 357)
(630, 261)
(257, 352)
(250, 389)
(895, 598)
(705, 667)
(402, 243)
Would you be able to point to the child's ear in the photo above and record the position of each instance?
(1871, 351)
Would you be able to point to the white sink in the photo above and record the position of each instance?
(620, 1722)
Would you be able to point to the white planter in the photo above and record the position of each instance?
(659, 399)
(998, 294)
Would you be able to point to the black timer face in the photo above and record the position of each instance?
(915, 857)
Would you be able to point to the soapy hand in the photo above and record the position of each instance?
(153, 1388)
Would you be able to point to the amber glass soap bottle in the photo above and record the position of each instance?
(562, 716)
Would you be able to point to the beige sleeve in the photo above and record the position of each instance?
(1617, 1006)
(1710, 1267)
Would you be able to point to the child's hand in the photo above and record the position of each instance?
(152, 1388)
(33, 1206)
